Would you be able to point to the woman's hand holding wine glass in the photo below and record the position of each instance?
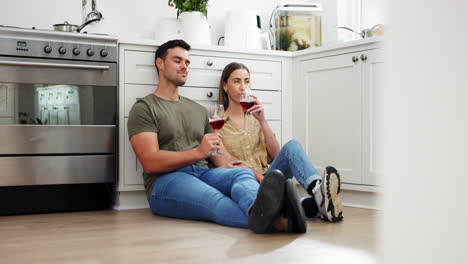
(252, 105)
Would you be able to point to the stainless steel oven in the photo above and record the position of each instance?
(58, 107)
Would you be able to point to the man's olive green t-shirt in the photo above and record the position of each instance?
(180, 125)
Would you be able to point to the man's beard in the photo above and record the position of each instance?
(177, 80)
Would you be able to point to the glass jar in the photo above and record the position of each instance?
(297, 26)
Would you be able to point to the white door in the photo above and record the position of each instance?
(372, 75)
(333, 114)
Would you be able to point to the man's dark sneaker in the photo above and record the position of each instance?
(310, 207)
(331, 207)
(269, 201)
(293, 210)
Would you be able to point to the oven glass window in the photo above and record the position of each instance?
(42, 104)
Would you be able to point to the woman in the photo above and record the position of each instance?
(248, 137)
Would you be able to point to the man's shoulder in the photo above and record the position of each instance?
(190, 102)
(142, 103)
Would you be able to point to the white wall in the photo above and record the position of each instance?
(426, 145)
(139, 18)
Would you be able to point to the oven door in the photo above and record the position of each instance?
(57, 121)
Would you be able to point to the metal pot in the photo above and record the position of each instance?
(67, 27)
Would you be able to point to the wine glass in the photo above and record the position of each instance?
(216, 121)
(246, 100)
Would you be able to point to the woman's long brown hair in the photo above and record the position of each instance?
(223, 97)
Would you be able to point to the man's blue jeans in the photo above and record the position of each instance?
(293, 161)
(220, 195)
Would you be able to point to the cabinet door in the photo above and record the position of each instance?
(133, 171)
(333, 114)
(372, 75)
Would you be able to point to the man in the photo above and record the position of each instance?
(171, 136)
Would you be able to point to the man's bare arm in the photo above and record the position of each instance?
(146, 147)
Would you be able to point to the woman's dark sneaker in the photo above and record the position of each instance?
(331, 207)
(293, 210)
(269, 201)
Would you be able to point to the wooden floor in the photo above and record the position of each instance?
(137, 236)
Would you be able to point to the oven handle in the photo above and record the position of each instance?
(55, 65)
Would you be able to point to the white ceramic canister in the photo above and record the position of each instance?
(195, 28)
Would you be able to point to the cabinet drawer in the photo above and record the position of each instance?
(140, 68)
(206, 71)
(271, 101)
(203, 96)
(134, 91)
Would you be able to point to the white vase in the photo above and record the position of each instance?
(195, 28)
(168, 28)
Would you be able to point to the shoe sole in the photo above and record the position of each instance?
(293, 199)
(268, 203)
(333, 204)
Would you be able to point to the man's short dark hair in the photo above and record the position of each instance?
(161, 52)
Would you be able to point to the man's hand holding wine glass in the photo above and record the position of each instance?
(216, 117)
(209, 144)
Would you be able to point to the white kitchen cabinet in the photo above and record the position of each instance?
(333, 114)
(138, 78)
(133, 170)
(373, 72)
(339, 98)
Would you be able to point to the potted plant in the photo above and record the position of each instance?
(189, 6)
(193, 19)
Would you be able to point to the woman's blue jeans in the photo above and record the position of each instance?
(220, 195)
(293, 161)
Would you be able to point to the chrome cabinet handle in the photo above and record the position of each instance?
(209, 94)
(209, 63)
(355, 58)
(363, 57)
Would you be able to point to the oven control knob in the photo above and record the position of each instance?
(48, 49)
(62, 50)
(104, 53)
(76, 51)
(90, 52)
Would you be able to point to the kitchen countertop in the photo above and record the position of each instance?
(327, 47)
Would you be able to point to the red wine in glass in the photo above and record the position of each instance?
(217, 124)
(246, 105)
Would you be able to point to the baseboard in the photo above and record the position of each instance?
(358, 196)
(361, 199)
(126, 200)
